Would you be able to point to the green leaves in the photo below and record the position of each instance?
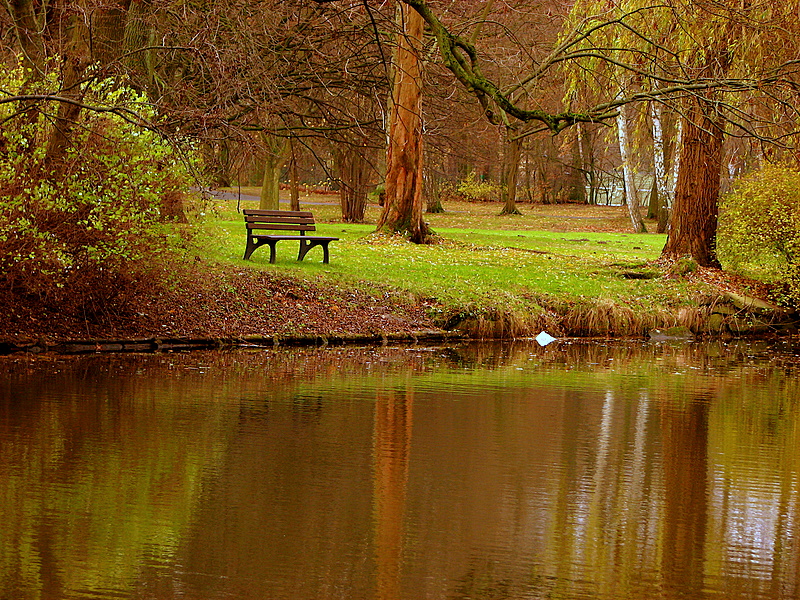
(80, 230)
(759, 228)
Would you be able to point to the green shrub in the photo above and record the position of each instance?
(759, 228)
(86, 231)
(472, 188)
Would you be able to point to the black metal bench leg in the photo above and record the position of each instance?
(325, 252)
(304, 248)
(272, 252)
(249, 249)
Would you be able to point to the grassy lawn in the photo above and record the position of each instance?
(550, 256)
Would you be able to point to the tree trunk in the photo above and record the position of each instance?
(402, 210)
(659, 161)
(528, 179)
(574, 182)
(139, 34)
(676, 162)
(627, 172)
(108, 32)
(217, 161)
(28, 30)
(693, 225)
(586, 163)
(653, 201)
(512, 150)
(433, 192)
(276, 152)
(353, 175)
(294, 184)
(660, 185)
(76, 60)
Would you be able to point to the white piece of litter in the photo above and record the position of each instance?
(545, 338)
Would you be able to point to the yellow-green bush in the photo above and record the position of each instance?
(472, 188)
(82, 233)
(759, 229)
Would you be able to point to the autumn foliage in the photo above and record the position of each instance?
(85, 232)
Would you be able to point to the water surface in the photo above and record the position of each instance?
(602, 471)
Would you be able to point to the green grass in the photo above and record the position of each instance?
(484, 263)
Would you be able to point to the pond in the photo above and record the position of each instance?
(589, 470)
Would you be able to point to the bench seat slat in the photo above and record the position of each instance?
(306, 238)
(278, 213)
(281, 226)
(260, 219)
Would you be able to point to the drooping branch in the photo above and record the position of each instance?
(129, 115)
(460, 56)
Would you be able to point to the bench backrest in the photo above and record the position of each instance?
(279, 220)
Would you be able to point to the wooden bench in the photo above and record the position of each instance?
(282, 220)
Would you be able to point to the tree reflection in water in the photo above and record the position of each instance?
(392, 446)
(593, 470)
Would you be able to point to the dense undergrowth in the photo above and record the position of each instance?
(86, 224)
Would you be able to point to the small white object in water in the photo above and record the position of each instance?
(545, 338)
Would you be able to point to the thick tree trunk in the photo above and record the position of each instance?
(402, 210)
(139, 34)
(627, 170)
(512, 150)
(108, 32)
(693, 225)
(276, 153)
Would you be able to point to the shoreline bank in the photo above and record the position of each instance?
(727, 317)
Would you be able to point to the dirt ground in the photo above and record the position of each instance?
(223, 305)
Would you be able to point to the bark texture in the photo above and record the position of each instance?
(403, 207)
(28, 29)
(659, 157)
(693, 224)
(627, 169)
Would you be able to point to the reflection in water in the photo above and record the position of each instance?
(509, 471)
(684, 434)
(393, 421)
